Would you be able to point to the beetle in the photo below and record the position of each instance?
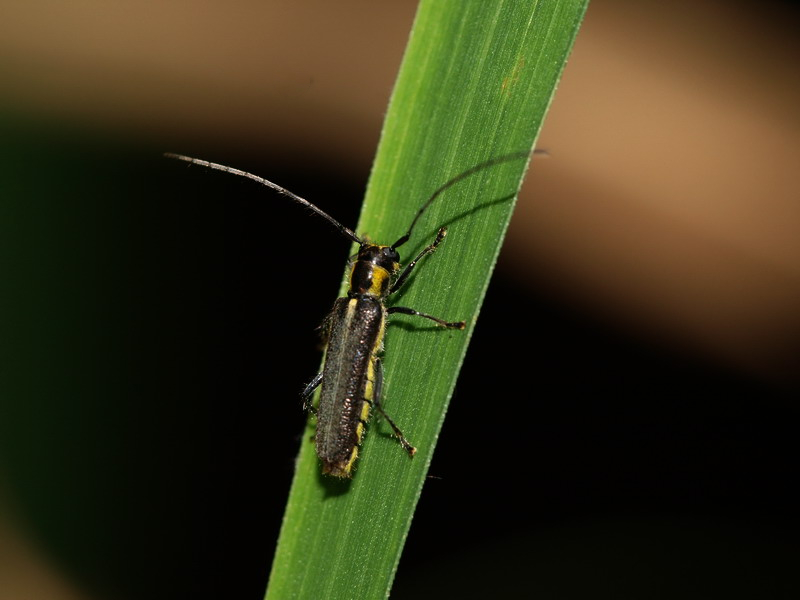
(352, 374)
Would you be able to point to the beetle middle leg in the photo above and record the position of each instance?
(308, 392)
(410, 311)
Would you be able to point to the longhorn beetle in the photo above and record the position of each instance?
(352, 375)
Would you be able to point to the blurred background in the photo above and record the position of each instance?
(640, 336)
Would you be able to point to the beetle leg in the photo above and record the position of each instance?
(309, 391)
(377, 400)
(425, 251)
(410, 311)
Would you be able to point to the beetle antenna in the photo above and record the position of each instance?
(204, 163)
(458, 178)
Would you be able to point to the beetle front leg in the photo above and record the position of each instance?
(425, 251)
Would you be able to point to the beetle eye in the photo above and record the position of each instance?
(391, 254)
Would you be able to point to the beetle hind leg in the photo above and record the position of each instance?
(377, 402)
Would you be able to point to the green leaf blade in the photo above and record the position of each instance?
(475, 83)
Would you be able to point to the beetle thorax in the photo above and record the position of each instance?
(372, 271)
